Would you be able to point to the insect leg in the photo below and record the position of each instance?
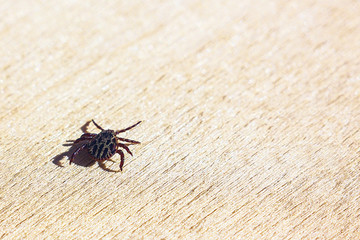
(97, 125)
(128, 140)
(124, 130)
(89, 135)
(122, 158)
(125, 147)
(82, 139)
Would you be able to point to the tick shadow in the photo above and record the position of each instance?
(82, 159)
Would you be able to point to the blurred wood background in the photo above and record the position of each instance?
(250, 116)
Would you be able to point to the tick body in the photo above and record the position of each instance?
(104, 145)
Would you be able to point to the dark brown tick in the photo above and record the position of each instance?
(104, 145)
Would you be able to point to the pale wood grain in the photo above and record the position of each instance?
(250, 108)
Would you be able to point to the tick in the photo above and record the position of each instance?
(104, 145)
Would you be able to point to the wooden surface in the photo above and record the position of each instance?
(250, 110)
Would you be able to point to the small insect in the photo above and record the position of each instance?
(104, 145)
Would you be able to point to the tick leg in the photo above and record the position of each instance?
(124, 130)
(76, 152)
(97, 125)
(122, 158)
(125, 147)
(82, 139)
(91, 135)
(85, 136)
(128, 140)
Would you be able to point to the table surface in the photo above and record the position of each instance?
(250, 115)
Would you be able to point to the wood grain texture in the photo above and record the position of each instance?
(250, 116)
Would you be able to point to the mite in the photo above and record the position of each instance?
(104, 145)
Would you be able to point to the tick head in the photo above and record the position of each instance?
(107, 133)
